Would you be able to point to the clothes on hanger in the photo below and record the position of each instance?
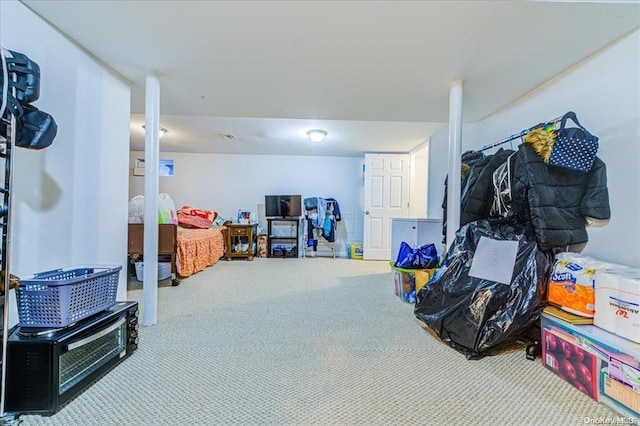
(469, 158)
(321, 216)
(557, 201)
(477, 194)
(547, 125)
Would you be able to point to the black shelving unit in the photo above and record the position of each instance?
(283, 245)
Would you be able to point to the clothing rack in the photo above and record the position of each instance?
(521, 134)
(329, 213)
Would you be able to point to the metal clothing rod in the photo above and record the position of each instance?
(521, 134)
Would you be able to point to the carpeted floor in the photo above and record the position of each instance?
(310, 342)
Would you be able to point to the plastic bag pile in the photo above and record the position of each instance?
(478, 317)
(166, 209)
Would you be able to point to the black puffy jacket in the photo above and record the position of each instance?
(558, 200)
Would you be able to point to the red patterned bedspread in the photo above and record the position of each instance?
(198, 248)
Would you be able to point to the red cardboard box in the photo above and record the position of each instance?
(562, 355)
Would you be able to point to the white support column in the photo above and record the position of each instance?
(453, 177)
(151, 170)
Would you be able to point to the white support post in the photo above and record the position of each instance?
(455, 143)
(152, 162)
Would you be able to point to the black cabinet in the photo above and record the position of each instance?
(284, 237)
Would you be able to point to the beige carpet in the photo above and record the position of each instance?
(310, 342)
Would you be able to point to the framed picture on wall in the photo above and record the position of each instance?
(165, 168)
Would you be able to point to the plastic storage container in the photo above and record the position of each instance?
(64, 296)
(164, 271)
(407, 282)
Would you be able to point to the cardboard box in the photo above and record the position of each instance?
(567, 316)
(619, 395)
(617, 304)
(610, 362)
(262, 245)
(423, 276)
(562, 354)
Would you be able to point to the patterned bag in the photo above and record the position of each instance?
(575, 147)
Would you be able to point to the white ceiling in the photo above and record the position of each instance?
(374, 74)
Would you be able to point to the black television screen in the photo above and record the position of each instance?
(282, 205)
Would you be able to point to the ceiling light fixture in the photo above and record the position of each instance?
(316, 135)
(161, 131)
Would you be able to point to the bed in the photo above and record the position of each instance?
(188, 250)
(198, 248)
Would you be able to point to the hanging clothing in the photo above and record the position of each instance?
(320, 206)
(469, 158)
(328, 232)
(322, 215)
(556, 200)
(477, 194)
(336, 208)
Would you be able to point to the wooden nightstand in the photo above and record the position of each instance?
(240, 239)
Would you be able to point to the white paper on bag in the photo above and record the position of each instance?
(494, 260)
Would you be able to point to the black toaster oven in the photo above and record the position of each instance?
(47, 367)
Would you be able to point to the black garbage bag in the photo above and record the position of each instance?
(35, 129)
(478, 317)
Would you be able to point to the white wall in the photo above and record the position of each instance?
(418, 182)
(70, 199)
(604, 91)
(226, 183)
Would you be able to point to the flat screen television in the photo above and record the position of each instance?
(282, 205)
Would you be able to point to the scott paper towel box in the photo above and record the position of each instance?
(617, 307)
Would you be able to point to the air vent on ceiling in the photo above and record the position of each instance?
(228, 136)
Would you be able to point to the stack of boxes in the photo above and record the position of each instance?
(602, 357)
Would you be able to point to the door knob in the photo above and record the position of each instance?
(367, 212)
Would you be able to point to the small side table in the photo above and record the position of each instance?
(240, 238)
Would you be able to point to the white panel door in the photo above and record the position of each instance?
(386, 195)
